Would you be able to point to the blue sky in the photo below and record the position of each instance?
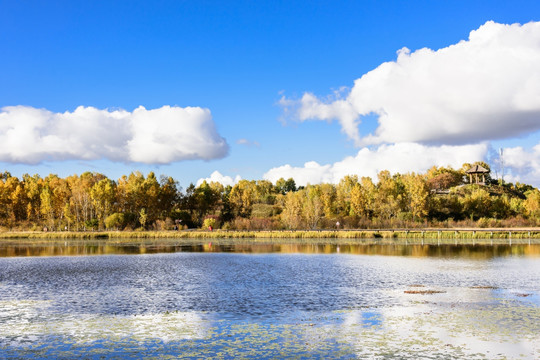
(250, 64)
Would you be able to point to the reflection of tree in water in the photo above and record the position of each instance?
(68, 248)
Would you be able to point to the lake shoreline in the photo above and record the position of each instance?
(450, 236)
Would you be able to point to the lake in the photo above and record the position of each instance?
(267, 300)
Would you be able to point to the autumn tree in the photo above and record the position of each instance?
(32, 188)
(389, 196)
(363, 197)
(13, 200)
(328, 198)
(115, 220)
(416, 195)
(343, 194)
(444, 207)
(476, 203)
(61, 194)
(4, 199)
(46, 206)
(265, 192)
(242, 197)
(532, 204)
(103, 197)
(292, 210)
(81, 199)
(442, 178)
(312, 205)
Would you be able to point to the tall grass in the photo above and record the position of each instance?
(284, 234)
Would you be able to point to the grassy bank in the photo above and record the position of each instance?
(445, 235)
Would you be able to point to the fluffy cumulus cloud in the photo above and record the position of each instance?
(158, 136)
(402, 158)
(216, 176)
(523, 165)
(486, 87)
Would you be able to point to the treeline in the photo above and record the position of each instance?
(440, 197)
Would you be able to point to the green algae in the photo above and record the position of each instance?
(454, 325)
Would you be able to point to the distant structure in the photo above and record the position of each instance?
(502, 166)
(477, 170)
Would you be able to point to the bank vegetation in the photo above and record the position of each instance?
(442, 197)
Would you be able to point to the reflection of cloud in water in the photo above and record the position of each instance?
(478, 323)
(25, 321)
(462, 322)
(423, 325)
(367, 319)
(271, 306)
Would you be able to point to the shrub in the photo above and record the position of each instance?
(91, 224)
(262, 211)
(209, 221)
(115, 221)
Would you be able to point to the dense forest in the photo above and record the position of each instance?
(441, 197)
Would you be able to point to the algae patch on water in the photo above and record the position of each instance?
(505, 329)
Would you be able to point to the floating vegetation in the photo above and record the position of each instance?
(60, 318)
(498, 331)
(424, 292)
(487, 287)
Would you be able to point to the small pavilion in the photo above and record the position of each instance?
(477, 170)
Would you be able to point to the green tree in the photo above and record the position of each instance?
(206, 201)
(284, 186)
(151, 194)
(444, 207)
(115, 221)
(169, 195)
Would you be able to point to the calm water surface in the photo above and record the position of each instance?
(269, 301)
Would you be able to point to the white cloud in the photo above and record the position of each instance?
(524, 165)
(159, 136)
(487, 87)
(216, 176)
(402, 158)
(247, 142)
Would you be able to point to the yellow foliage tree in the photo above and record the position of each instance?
(417, 193)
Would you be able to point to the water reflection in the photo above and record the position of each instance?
(287, 300)
(77, 248)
